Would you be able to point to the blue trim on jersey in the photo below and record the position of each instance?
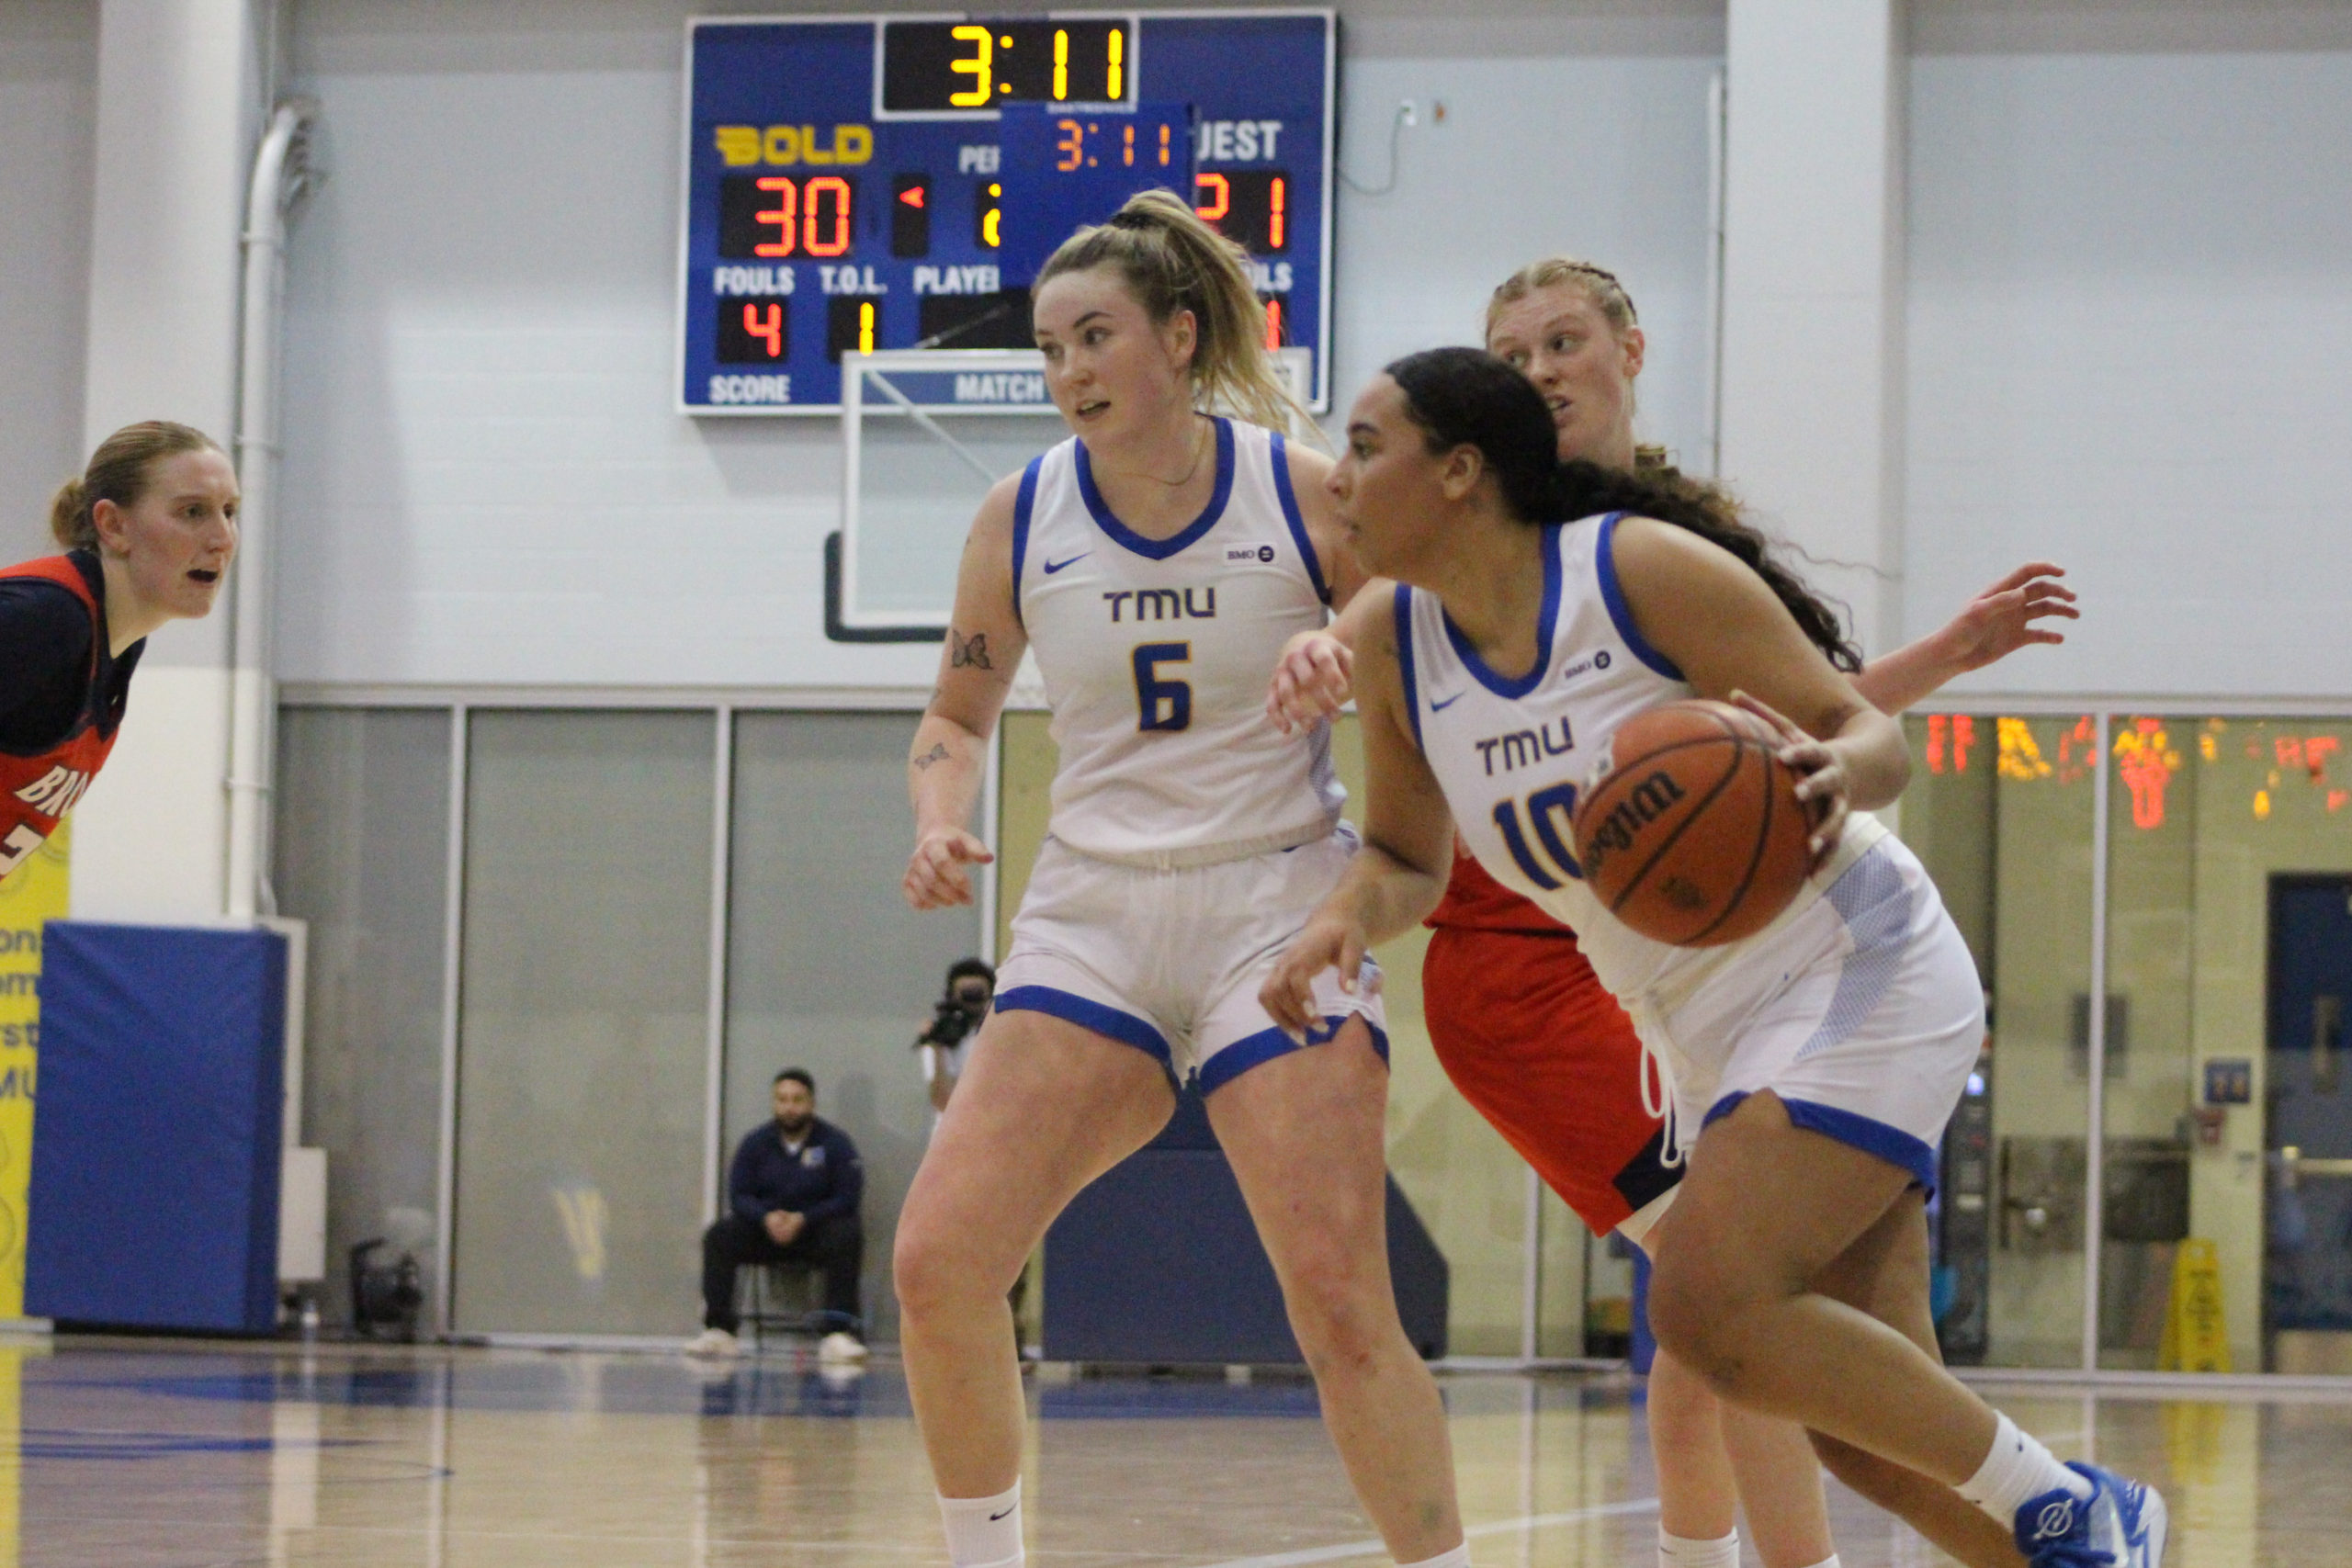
(1519, 687)
(1160, 549)
(1292, 516)
(1023, 504)
(1328, 1029)
(1249, 1051)
(1256, 1050)
(1086, 1013)
(1891, 1144)
(1404, 662)
(1604, 560)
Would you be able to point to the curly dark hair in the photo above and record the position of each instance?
(1466, 396)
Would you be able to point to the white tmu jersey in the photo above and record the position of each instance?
(1511, 754)
(1156, 655)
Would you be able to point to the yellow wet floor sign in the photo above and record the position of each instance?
(2197, 1338)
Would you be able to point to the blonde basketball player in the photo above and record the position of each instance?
(148, 532)
(1155, 562)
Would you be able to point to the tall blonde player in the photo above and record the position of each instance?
(1157, 562)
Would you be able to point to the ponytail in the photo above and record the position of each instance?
(1584, 489)
(1465, 397)
(1172, 260)
(117, 471)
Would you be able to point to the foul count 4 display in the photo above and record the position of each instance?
(862, 183)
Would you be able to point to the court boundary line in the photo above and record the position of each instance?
(1521, 1525)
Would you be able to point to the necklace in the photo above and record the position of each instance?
(1190, 468)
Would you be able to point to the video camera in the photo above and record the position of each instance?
(951, 1021)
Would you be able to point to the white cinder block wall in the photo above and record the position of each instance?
(2131, 308)
(485, 482)
(2125, 308)
(49, 56)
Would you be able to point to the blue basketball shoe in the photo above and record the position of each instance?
(2119, 1525)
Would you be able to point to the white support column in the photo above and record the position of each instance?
(179, 99)
(1812, 289)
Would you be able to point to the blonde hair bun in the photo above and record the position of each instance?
(69, 518)
(117, 471)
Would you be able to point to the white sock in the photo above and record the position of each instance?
(984, 1532)
(1690, 1552)
(1458, 1558)
(2017, 1468)
(1829, 1561)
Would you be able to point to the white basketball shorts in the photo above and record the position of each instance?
(1866, 1023)
(1170, 962)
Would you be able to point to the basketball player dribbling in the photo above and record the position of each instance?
(1810, 1066)
(1532, 1039)
(1157, 563)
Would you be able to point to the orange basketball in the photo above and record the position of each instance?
(1690, 831)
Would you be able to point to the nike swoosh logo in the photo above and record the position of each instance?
(1008, 1512)
(1054, 566)
(1436, 706)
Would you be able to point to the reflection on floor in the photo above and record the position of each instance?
(140, 1454)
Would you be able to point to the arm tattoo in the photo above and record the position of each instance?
(972, 650)
(936, 754)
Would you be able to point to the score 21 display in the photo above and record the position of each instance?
(853, 183)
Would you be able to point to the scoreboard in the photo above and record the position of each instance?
(867, 183)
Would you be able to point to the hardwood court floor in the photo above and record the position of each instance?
(174, 1454)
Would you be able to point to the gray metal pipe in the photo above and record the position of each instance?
(282, 177)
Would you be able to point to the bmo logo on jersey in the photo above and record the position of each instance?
(1244, 552)
(1161, 604)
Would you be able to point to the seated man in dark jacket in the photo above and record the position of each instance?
(792, 1196)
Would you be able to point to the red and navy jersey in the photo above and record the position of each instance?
(1475, 901)
(63, 696)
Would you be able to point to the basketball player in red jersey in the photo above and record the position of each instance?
(148, 530)
(1531, 1037)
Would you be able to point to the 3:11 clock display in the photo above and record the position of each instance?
(933, 67)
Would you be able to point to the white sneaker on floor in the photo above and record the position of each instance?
(838, 1349)
(713, 1343)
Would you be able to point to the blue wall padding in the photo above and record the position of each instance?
(157, 1129)
(1158, 1261)
(1644, 1342)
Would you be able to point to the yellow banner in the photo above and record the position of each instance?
(2197, 1339)
(29, 896)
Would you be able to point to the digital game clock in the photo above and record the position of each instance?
(865, 183)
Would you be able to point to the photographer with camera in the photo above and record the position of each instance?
(955, 1017)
